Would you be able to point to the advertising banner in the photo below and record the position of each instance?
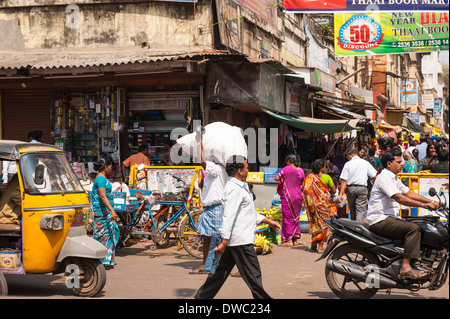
(437, 111)
(372, 33)
(364, 5)
(427, 101)
(408, 95)
(415, 117)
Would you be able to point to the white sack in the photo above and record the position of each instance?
(221, 141)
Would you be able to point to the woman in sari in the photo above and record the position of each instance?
(317, 199)
(411, 164)
(106, 230)
(291, 178)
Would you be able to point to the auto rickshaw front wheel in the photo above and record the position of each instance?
(92, 277)
(3, 285)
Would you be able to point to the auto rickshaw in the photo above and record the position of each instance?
(45, 231)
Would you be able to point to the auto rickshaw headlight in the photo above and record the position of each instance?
(52, 222)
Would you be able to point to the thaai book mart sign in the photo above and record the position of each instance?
(373, 33)
(364, 5)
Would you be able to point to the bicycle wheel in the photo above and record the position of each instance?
(161, 239)
(124, 236)
(191, 240)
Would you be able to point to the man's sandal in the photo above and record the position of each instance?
(412, 274)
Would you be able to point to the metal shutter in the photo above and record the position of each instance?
(24, 111)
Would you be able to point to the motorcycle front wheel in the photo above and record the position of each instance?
(344, 286)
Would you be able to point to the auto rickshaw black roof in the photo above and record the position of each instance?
(10, 149)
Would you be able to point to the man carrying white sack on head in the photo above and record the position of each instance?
(210, 219)
(214, 150)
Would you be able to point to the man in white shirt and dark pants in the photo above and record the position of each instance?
(383, 212)
(354, 178)
(212, 193)
(239, 221)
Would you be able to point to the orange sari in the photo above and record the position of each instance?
(317, 202)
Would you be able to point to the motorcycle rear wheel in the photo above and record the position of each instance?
(344, 286)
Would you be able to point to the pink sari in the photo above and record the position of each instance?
(290, 192)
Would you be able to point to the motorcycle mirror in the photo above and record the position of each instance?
(432, 191)
(39, 174)
(141, 167)
(441, 191)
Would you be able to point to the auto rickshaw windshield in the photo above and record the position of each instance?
(48, 173)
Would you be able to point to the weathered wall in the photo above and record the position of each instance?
(159, 24)
(34, 3)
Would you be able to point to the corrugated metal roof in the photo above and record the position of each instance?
(39, 59)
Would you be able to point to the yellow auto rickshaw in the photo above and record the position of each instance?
(43, 213)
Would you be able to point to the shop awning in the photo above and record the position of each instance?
(351, 104)
(389, 127)
(296, 78)
(315, 125)
(344, 111)
(38, 61)
(412, 126)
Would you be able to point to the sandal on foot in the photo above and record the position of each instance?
(198, 272)
(287, 244)
(412, 274)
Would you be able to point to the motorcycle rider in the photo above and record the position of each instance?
(383, 212)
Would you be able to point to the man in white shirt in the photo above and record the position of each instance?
(354, 177)
(210, 220)
(383, 212)
(239, 221)
(9, 170)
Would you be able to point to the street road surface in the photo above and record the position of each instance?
(142, 273)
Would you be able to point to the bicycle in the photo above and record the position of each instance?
(158, 227)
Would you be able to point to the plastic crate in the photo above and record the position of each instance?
(120, 201)
(272, 236)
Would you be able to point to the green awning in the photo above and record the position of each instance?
(315, 125)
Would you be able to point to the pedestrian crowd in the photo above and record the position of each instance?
(229, 219)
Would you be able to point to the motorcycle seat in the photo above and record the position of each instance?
(363, 229)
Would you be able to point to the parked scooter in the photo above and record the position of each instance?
(366, 262)
(46, 233)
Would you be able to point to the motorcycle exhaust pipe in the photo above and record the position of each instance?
(376, 280)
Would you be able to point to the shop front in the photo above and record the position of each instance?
(88, 107)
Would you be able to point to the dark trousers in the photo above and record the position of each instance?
(246, 260)
(357, 201)
(400, 229)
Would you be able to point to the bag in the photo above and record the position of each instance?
(221, 141)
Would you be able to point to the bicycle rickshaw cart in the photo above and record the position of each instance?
(169, 206)
(420, 183)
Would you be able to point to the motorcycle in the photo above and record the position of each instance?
(361, 262)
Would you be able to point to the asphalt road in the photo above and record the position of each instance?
(141, 273)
